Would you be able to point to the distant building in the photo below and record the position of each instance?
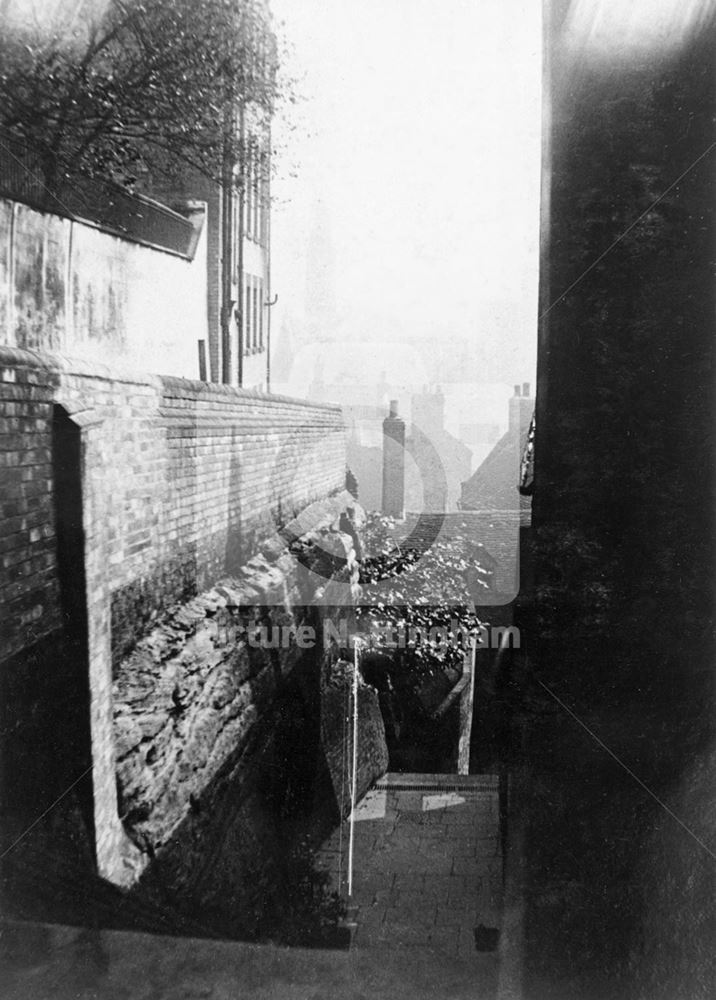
(493, 486)
(440, 461)
(364, 451)
(493, 492)
(435, 462)
(320, 294)
(481, 433)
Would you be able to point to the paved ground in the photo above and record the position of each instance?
(427, 872)
(67, 963)
(427, 864)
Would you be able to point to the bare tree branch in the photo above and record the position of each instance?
(145, 81)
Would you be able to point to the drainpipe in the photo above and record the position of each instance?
(394, 463)
(226, 207)
(269, 302)
(239, 311)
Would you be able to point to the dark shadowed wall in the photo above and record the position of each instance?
(621, 649)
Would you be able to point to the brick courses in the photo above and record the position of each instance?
(28, 582)
(183, 481)
(179, 482)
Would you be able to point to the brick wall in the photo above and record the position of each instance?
(184, 480)
(177, 483)
(29, 592)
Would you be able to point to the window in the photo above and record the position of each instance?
(235, 233)
(253, 319)
(256, 197)
(247, 316)
(261, 315)
(248, 193)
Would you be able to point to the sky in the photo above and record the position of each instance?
(407, 197)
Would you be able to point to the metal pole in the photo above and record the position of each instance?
(226, 197)
(467, 701)
(354, 776)
(240, 280)
(266, 208)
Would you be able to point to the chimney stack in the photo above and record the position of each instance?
(394, 463)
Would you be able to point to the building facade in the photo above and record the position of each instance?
(238, 283)
(493, 497)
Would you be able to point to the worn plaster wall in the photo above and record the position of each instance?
(67, 286)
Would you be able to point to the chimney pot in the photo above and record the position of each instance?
(393, 408)
(517, 390)
(525, 388)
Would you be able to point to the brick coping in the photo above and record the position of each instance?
(170, 385)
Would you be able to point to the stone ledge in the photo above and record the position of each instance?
(321, 514)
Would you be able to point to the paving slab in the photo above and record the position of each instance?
(426, 869)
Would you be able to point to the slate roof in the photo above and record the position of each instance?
(494, 486)
(420, 531)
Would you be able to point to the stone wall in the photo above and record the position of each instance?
(68, 286)
(122, 495)
(189, 695)
(229, 737)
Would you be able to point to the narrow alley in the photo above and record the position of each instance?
(427, 867)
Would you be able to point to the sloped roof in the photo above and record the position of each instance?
(495, 484)
(419, 531)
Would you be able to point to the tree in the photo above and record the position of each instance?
(110, 88)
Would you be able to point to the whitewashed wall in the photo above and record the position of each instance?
(68, 287)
